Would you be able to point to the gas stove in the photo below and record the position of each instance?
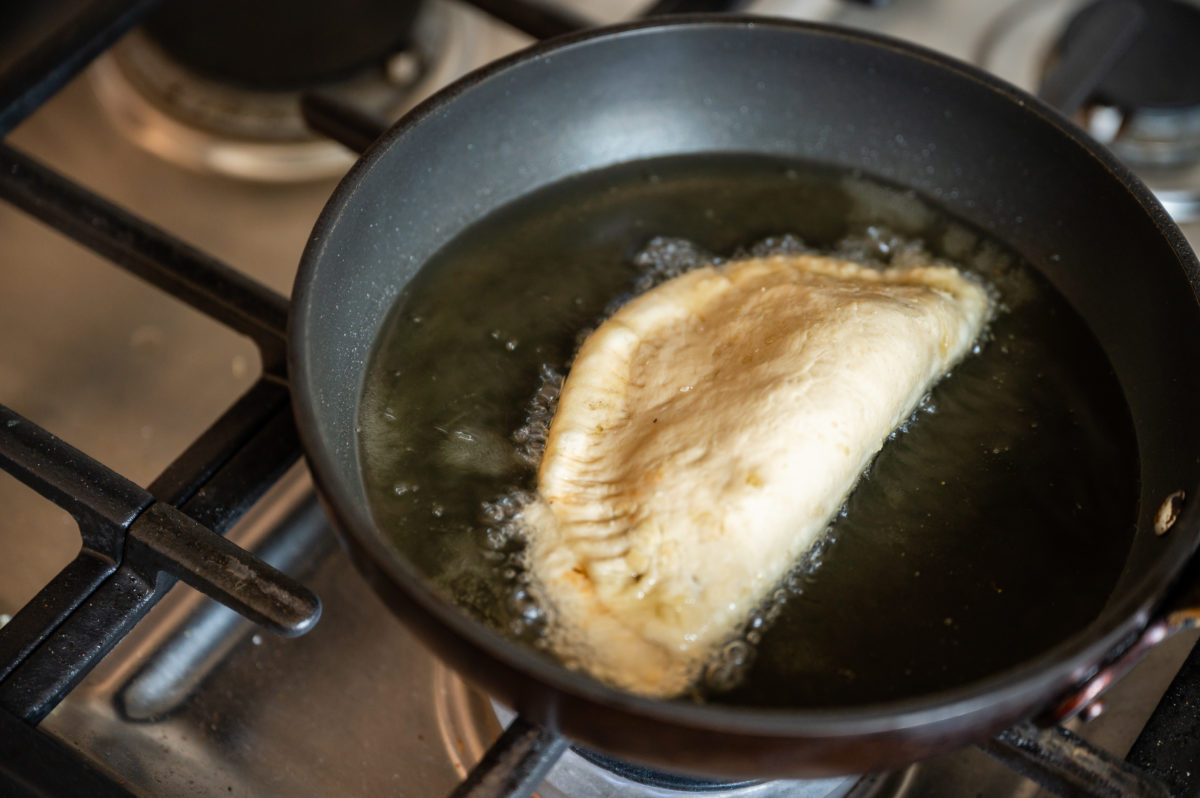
(195, 700)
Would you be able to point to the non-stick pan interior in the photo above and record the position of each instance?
(784, 90)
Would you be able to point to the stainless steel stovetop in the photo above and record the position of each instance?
(197, 701)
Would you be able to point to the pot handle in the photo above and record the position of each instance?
(515, 764)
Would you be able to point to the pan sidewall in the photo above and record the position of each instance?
(983, 150)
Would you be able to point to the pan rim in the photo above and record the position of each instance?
(1044, 676)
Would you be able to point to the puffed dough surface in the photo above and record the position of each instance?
(705, 437)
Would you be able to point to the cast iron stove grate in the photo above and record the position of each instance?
(137, 542)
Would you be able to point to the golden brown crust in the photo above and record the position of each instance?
(706, 435)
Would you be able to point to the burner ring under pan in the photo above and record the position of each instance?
(211, 126)
(1161, 68)
(468, 722)
(658, 778)
(1161, 140)
(1147, 108)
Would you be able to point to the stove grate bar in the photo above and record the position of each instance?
(181, 482)
(156, 256)
(103, 504)
(1068, 765)
(515, 764)
(38, 683)
(332, 116)
(96, 602)
(44, 45)
(538, 19)
(1169, 745)
(664, 7)
(45, 612)
(35, 765)
(543, 20)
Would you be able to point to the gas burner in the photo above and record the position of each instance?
(212, 116)
(1161, 68)
(671, 782)
(1146, 109)
(469, 721)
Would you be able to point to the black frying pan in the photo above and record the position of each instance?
(999, 160)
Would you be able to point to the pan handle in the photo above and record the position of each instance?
(515, 764)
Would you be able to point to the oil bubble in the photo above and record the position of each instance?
(729, 665)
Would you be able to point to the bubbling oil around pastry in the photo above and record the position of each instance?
(1023, 459)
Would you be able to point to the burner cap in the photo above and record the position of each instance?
(281, 45)
(1161, 69)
